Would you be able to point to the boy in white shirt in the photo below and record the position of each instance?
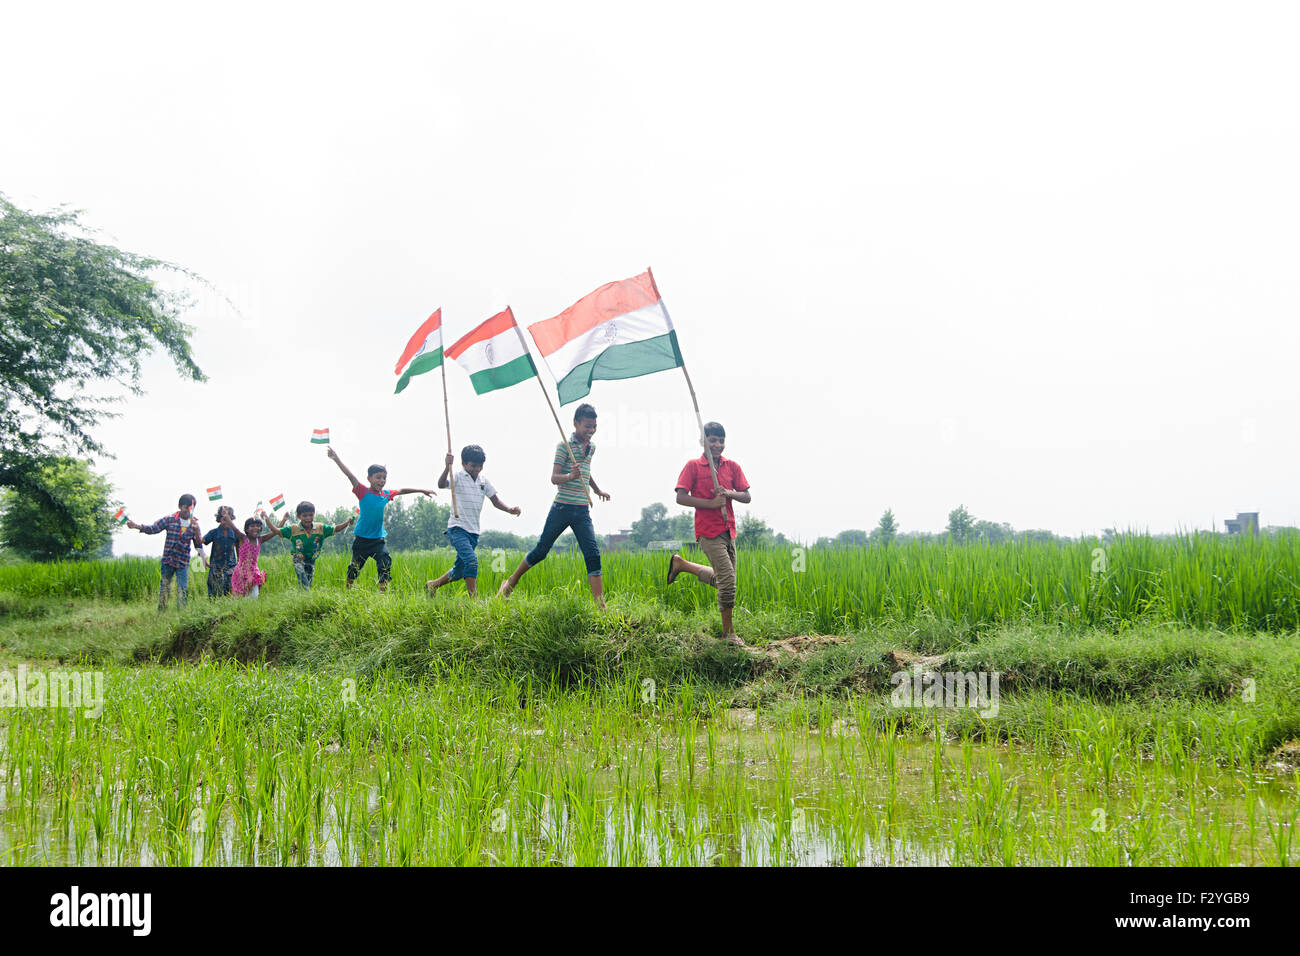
(463, 531)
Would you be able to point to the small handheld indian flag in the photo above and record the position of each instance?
(121, 517)
(214, 494)
(356, 511)
(277, 502)
(320, 436)
(423, 353)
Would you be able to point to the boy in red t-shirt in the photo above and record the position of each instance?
(715, 521)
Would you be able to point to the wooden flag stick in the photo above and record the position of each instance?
(704, 441)
(446, 415)
(549, 404)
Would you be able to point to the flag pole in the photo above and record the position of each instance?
(704, 442)
(563, 437)
(446, 416)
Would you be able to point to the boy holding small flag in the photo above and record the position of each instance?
(368, 538)
(182, 531)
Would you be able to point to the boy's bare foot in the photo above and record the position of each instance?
(673, 569)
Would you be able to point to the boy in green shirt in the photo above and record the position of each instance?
(306, 539)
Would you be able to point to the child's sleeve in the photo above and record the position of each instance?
(686, 480)
(359, 490)
(210, 536)
(489, 489)
(742, 483)
(284, 532)
(155, 527)
(326, 530)
(562, 456)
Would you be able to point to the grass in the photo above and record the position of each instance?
(1197, 580)
(357, 728)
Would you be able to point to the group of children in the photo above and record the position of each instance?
(708, 484)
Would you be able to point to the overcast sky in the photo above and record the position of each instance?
(1032, 258)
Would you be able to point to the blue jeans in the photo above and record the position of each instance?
(466, 565)
(577, 517)
(182, 575)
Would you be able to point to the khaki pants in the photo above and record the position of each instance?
(721, 552)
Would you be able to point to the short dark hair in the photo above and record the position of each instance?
(472, 454)
(584, 411)
(304, 506)
(221, 508)
(185, 500)
(374, 468)
(249, 522)
(713, 428)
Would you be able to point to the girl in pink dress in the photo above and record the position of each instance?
(247, 578)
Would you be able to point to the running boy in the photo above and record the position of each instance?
(570, 508)
(306, 538)
(182, 531)
(368, 541)
(715, 521)
(471, 489)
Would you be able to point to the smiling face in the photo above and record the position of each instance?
(584, 428)
(378, 480)
(305, 518)
(716, 444)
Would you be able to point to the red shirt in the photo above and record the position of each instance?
(697, 481)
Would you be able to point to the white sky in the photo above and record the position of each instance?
(1034, 259)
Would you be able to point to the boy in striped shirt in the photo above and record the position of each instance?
(571, 472)
(471, 488)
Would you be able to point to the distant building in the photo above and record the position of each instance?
(1246, 522)
(619, 542)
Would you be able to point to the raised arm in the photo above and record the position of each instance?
(147, 528)
(427, 492)
(342, 467)
(444, 480)
(227, 523)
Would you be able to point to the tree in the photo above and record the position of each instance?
(683, 526)
(992, 532)
(960, 523)
(885, 532)
(753, 533)
(73, 314)
(71, 519)
(652, 526)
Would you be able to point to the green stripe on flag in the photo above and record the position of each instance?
(426, 362)
(503, 376)
(621, 361)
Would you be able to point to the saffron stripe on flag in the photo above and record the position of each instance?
(416, 342)
(609, 301)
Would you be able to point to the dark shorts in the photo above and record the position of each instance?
(305, 568)
(464, 542)
(363, 549)
(219, 581)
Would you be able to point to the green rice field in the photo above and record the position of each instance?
(1148, 713)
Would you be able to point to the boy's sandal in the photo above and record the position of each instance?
(734, 639)
(672, 575)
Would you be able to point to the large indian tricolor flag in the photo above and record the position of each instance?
(423, 353)
(621, 330)
(494, 354)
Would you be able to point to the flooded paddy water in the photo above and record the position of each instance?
(219, 764)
